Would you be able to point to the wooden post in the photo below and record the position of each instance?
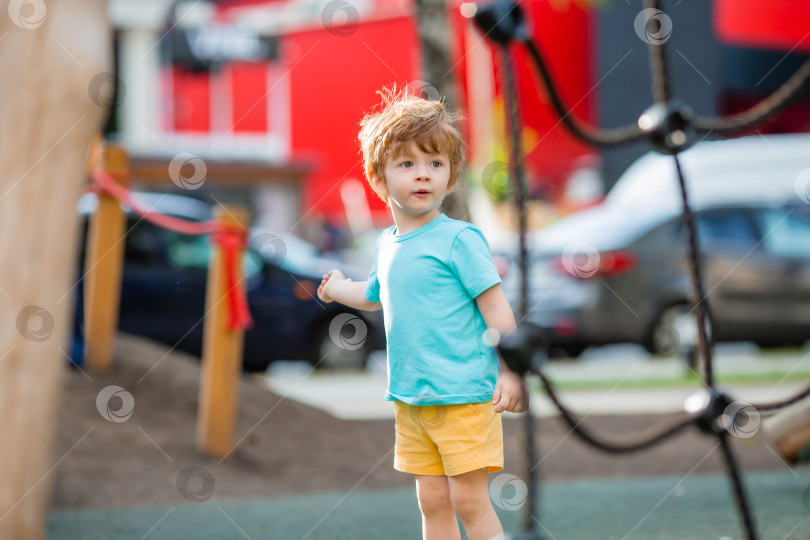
(103, 267)
(48, 58)
(790, 429)
(222, 350)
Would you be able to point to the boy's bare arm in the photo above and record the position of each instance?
(496, 310)
(335, 287)
(511, 393)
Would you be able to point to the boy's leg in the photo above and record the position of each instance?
(438, 518)
(469, 494)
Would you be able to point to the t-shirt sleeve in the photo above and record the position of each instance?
(372, 289)
(471, 262)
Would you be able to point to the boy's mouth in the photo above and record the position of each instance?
(421, 192)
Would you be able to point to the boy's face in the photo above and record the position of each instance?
(415, 182)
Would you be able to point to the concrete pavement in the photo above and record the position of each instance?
(617, 380)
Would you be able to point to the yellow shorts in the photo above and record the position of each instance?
(448, 440)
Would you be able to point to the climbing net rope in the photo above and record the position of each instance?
(671, 127)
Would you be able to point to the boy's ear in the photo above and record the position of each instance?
(378, 184)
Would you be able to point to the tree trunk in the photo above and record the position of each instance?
(434, 35)
(48, 58)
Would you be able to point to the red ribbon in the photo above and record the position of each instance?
(232, 240)
(182, 226)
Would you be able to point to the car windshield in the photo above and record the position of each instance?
(285, 251)
(152, 246)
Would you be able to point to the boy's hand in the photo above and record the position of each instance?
(511, 393)
(323, 288)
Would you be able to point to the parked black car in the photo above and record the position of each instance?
(164, 283)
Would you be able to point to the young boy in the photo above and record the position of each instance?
(437, 285)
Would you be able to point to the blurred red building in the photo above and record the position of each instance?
(776, 24)
(278, 88)
(288, 82)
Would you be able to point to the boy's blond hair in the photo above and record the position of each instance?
(405, 118)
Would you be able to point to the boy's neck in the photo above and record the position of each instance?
(406, 223)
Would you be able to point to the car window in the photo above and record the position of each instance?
(786, 232)
(193, 252)
(188, 251)
(726, 227)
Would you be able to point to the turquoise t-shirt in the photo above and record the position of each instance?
(427, 281)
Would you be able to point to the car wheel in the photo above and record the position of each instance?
(674, 326)
(341, 344)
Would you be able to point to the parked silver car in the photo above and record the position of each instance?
(617, 272)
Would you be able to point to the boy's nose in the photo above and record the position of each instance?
(422, 173)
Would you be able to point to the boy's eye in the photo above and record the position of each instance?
(406, 164)
(437, 163)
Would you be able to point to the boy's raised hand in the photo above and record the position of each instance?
(323, 288)
(511, 393)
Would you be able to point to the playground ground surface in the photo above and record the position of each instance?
(298, 472)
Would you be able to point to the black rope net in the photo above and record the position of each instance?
(671, 127)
